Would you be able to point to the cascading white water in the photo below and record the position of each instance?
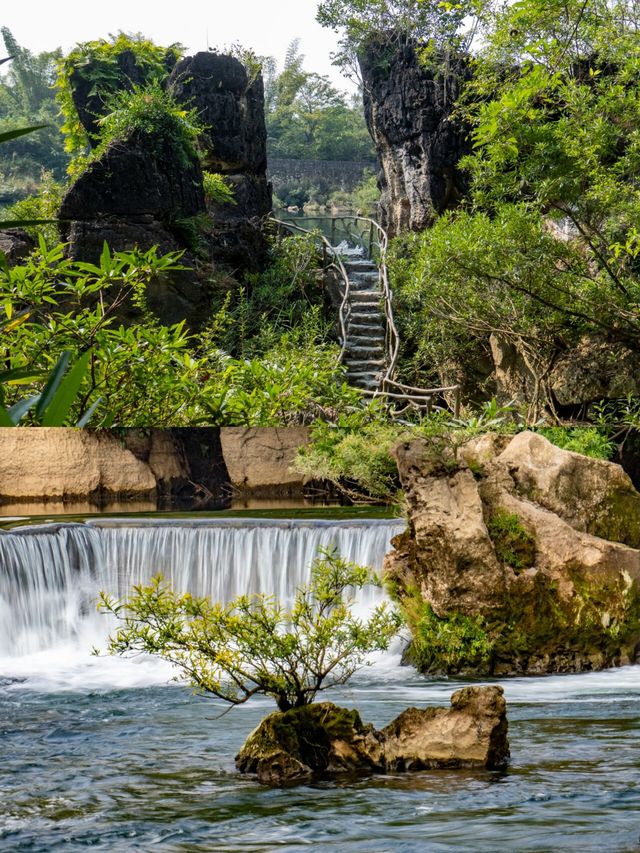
(50, 575)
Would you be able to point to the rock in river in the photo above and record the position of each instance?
(321, 740)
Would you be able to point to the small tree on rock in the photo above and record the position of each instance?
(254, 645)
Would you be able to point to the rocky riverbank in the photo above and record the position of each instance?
(206, 465)
(519, 558)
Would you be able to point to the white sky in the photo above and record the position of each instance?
(266, 26)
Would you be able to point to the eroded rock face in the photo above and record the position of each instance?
(135, 195)
(589, 371)
(408, 110)
(230, 105)
(520, 557)
(324, 740)
(147, 189)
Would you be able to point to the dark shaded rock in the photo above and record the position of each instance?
(324, 740)
(408, 109)
(207, 485)
(231, 107)
(472, 603)
(187, 462)
(16, 244)
(144, 175)
(136, 195)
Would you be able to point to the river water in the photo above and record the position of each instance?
(108, 754)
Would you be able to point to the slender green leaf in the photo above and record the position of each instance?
(53, 383)
(84, 420)
(20, 409)
(21, 376)
(58, 408)
(8, 135)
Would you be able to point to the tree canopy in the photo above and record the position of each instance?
(544, 252)
(308, 118)
(255, 645)
(27, 99)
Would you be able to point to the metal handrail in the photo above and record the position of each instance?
(337, 262)
(391, 389)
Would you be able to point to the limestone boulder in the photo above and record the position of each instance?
(135, 196)
(595, 370)
(591, 495)
(260, 461)
(321, 740)
(471, 733)
(16, 244)
(144, 174)
(519, 557)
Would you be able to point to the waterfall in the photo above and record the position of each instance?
(50, 575)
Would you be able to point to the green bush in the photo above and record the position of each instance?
(254, 645)
(589, 441)
(355, 452)
(97, 61)
(448, 645)
(216, 189)
(145, 373)
(152, 113)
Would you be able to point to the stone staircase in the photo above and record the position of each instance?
(364, 355)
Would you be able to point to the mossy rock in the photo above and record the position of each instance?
(537, 631)
(292, 746)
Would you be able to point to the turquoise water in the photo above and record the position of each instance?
(109, 754)
(113, 767)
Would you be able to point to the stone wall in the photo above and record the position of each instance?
(344, 175)
(200, 466)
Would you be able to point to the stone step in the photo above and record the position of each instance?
(364, 276)
(363, 265)
(368, 306)
(362, 296)
(370, 366)
(367, 331)
(367, 350)
(369, 284)
(365, 382)
(363, 317)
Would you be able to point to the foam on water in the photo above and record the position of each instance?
(50, 577)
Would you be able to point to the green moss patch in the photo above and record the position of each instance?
(452, 644)
(514, 545)
(535, 631)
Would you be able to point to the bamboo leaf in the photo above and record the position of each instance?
(84, 420)
(20, 409)
(53, 383)
(8, 135)
(58, 408)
